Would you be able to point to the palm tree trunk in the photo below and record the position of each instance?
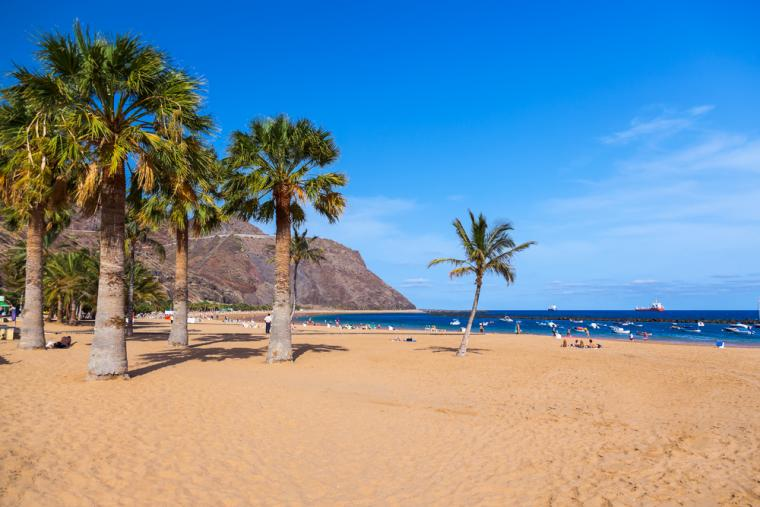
(280, 344)
(73, 312)
(33, 326)
(178, 335)
(131, 293)
(108, 354)
(466, 338)
(59, 310)
(295, 289)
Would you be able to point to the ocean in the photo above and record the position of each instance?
(668, 326)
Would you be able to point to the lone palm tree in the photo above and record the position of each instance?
(273, 166)
(34, 184)
(128, 103)
(302, 250)
(486, 251)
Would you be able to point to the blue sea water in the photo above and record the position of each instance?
(535, 322)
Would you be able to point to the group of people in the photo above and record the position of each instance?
(581, 344)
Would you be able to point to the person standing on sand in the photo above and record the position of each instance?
(268, 322)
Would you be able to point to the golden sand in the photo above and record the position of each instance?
(361, 420)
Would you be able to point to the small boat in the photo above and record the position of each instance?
(627, 323)
(551, 324)
(700, 324)
(619, 330)
(552, 308)
(737, 330)
(506, 318)
(455, 322)
(543, 323)
(581, 329)
(594, 325)
(576, 321)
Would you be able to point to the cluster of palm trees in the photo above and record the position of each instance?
(110, 126)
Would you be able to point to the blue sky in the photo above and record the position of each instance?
(623, 138)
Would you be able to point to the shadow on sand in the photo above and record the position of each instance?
(202, 349)
(454, 350)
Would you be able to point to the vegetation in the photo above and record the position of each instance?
(35, 157)
(273, 177)
(302, 250)
(213, 306)
(187, 204)
(486, 251)
(127, 104)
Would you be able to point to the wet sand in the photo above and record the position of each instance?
(359, 419)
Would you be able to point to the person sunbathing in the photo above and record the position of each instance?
(63, 343)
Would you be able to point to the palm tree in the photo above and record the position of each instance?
(71, 279)
(486, 251)
(148, 291)
(33, 184)
(126, 101)
(137, 234)
(273, 176)
(188, 205)
(301, 250)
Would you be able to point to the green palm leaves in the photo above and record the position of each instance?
(273, 162)
(485, 251)
(273, 177)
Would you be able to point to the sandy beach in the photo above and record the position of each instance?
(359, 419)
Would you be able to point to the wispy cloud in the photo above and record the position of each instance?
(666, 123)
(416, 282)
(666, 217)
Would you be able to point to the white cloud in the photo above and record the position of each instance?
(666, 123)
(415, 282)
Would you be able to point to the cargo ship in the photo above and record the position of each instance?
(656, 306)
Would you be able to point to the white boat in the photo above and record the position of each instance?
(619, 330)
(594, 325)
(506, 319)
(576, 321)
(455, 322)
(551, 324)
(737, 330)
(627, 323)
(552, 308)
(700, 324)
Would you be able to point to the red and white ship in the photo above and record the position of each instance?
(656, 306)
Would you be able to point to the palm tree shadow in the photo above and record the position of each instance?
(302, 348)
(436, 349)
(204, 352)
(4, 361)
(166, 358)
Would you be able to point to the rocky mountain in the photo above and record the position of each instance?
(232, 265)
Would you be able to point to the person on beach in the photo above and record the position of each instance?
(482, 328)
(268, 323)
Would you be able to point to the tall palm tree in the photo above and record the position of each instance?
(126, 101)
(137, 234)
(302, 250)
(273, 166)
(486, 251)
(34, 183)
(188, 205)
